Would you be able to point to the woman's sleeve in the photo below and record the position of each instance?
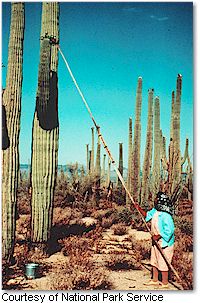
(150, 214)
(167, 227)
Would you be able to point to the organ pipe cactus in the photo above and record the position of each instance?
(45, 128)
(171, 144)
(120, 167)
(148, 152)
(176, 135)
(135, 176)
(157, 143)
(11, 118)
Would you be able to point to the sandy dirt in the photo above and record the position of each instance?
(121, 279)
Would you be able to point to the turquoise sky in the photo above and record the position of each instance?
(108, 46)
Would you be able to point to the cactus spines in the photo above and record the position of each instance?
(147, 163)
(92, 151)
(45, 128)
(12, 111)
(176, 135)
(157, 143)
(120, 167)
(135, 176)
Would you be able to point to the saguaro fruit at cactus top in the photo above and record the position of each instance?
(11, 118)
(45, 127)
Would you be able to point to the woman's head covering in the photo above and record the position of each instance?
(164, 203)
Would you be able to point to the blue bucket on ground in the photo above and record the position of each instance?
(31, 270)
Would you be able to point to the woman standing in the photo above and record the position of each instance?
(162, 228)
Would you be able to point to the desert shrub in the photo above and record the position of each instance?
(105, 204)
(80, 277)
(25, 253)
(124, 215)
(75, 244)
(80, 272)
(95, 234)
(23, 228)
(63, 216)
(183, 241)
(119, 196)
(182, 262)
(119, 229)
(185, 225)
(101, 213)
(106, 222)
(23, 201)
(144, 248)
(122, 262)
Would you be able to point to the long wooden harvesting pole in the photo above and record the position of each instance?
(114, 164)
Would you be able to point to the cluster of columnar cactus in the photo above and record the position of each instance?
(11, 119)
(147, 163)
(45, 128)
(135, 174)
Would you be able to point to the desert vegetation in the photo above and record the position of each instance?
(77, 221)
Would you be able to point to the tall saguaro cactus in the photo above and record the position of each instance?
(103, 170)
(12, 112)
(130, 145)
(45, 128)
(148, 152)
(92, 151)
(98, 163)
(87, 159)
(135, 177)
(157, 143)
(119, 184)
(171, 145)
(176, 135)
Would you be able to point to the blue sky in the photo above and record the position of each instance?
(108, 46)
